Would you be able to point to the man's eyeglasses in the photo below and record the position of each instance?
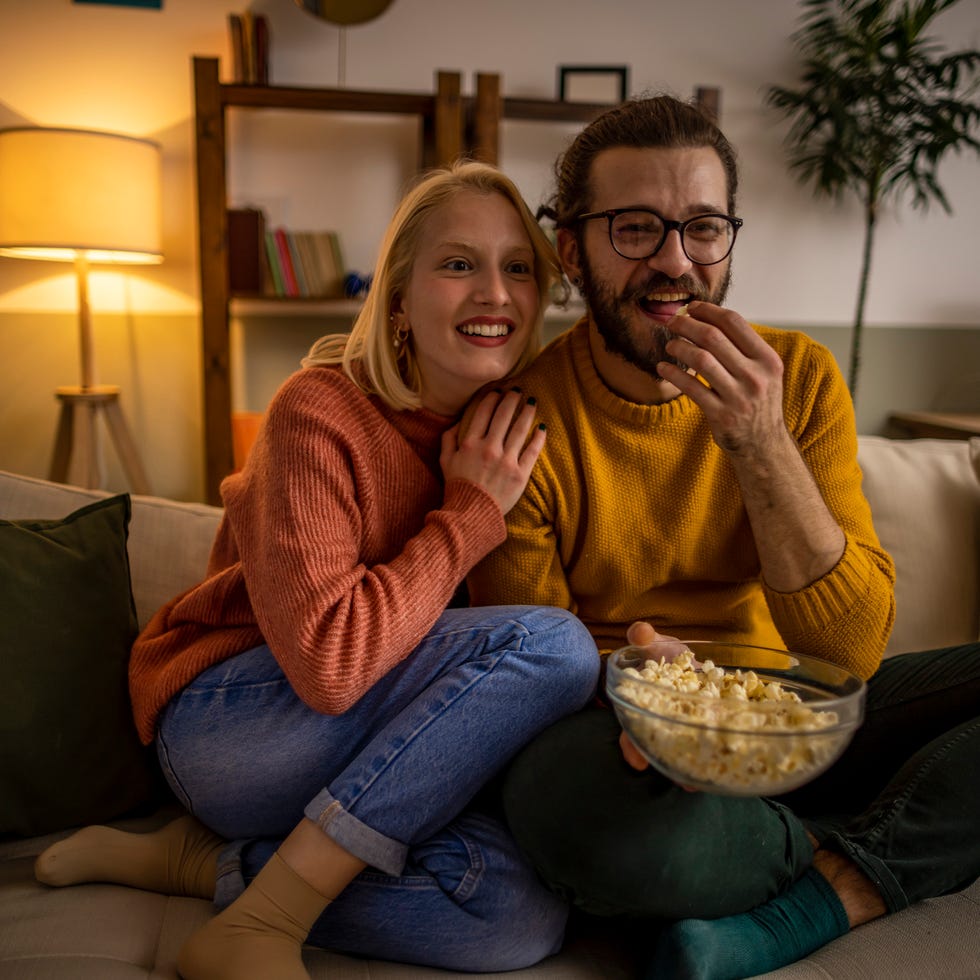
(639, 233)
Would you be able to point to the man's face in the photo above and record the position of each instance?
(631, 300)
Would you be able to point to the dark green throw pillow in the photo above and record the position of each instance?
(69, 753)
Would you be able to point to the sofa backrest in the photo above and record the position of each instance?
(925, 501)
(924, 495)
(169, 541)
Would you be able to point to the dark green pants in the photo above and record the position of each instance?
(903, 802)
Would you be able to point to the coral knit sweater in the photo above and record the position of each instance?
(340, 546)
(634, 513)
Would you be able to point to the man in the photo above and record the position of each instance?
(700, 479)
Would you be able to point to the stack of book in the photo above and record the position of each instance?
(249, 48)
(278, 262)
(305, 263)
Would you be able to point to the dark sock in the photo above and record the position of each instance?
(805, 917)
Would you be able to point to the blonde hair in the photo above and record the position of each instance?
(368, 355)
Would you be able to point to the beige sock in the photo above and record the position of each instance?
(260, 935)
(179, 859)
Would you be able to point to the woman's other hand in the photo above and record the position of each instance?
(498, 447)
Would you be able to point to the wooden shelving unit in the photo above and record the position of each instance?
(441, 118)
(451, 126)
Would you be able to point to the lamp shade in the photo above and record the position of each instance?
(72, 193)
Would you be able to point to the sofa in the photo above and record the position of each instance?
(925, 495)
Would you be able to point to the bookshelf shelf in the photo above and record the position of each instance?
(242, 306)
(440, 114)
(246, 306)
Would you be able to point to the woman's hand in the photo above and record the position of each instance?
(495, 450)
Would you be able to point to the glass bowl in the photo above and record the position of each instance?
(759, 722)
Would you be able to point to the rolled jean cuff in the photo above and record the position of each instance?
(376, 850)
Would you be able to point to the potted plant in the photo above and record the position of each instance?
(878, 107)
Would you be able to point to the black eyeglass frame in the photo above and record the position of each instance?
(669, 226)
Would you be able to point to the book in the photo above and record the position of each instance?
(236, 34)
(327, 250)
(338, 257)
(296, 261)
(303, 248)
(261, 50)
(246, 250)
(248, 32)
(290, 285)
(275, 266)
(249, 36)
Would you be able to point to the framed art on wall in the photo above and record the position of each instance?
(593, 83)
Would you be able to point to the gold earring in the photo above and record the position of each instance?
(399, 332)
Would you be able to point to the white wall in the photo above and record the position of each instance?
(129, 70)
(797, 259)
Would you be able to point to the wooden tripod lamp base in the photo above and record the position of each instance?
(80, 407)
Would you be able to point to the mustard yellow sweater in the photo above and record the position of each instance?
(634, 513)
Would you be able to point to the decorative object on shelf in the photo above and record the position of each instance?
(249, 37)
(356, 285)
(879, 107)
(597, 84)
(343, 13)
(72, 195)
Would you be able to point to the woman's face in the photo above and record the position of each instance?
(471, 300)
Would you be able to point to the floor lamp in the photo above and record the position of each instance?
(72, 195)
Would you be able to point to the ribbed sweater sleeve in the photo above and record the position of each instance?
(634, 513)
(339, 548)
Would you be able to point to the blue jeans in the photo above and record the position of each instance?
(903, 803)
(390, 780)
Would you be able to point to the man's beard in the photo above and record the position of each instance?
(611, 314)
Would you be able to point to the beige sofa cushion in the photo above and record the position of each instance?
(925, 500)
(182, 533)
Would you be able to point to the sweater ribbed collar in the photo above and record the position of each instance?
(420, 428)
(597, 393)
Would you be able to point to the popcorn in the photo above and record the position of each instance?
(739, 733)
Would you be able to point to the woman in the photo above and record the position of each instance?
(315, 687)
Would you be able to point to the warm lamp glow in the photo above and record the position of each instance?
(72, 193)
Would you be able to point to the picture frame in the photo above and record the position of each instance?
(597, 84)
